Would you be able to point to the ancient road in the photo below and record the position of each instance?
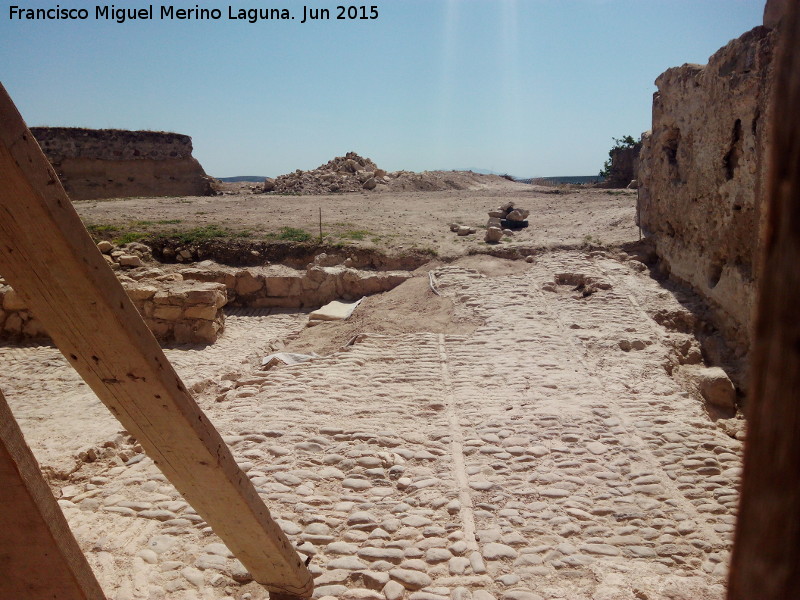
(549, 455)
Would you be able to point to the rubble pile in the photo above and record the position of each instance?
(503, 220)
(348, 173)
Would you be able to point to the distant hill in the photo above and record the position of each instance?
(258, 178)
(480, 171)
(563, 179)
(560, 180)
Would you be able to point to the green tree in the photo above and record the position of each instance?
(626, 141)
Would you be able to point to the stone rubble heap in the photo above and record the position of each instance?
(348, 173)
(462, 230)
(128, 255)
(503, 220)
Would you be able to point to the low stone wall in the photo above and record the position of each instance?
(283, 287)
(111, 163)
(175, 311)
(180, 311)
(702, 172)
(184, 304)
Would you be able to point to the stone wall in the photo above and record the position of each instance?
(702, 172)
(175, 311)
(624, 166)
(110, 163)
(181, 311)
(283, 287)
(184, 304)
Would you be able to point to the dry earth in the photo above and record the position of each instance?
(391, 220)
(509, 438)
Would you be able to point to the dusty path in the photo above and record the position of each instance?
(532, 458)
(57, 409)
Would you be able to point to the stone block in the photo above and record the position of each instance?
(141, 292)
(716, 388)
(284, 286)
(161, 329)
(13, 324)
(247, 283)
(130, 260)
(12, 301)
(168, 313)
(207, 313)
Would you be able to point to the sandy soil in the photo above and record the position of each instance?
(392, 221)
(509, 438)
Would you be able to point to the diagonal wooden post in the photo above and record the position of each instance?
(50, 260)
(39, 556)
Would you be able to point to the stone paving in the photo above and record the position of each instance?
(549, 455)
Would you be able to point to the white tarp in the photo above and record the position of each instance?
(335, 311)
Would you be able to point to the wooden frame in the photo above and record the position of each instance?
(51, 261)
(39, 554)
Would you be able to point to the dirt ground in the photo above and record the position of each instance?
(484, 431)
(565, 217)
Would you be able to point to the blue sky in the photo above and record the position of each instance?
(528, 87)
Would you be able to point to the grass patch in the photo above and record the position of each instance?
(293, 234)
(589, 239)
(129, 236)
(355, 234)
(103, 228)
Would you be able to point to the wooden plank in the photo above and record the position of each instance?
(766, 555)
(52, 263)
(39, 557)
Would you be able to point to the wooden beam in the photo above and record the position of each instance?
(50, 260)
(766, 555)
(40, 557)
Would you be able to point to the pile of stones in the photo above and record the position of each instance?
(462, 230)
(348, 173)
(129, 255)
(503, 220)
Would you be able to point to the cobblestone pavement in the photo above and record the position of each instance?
(549, 455)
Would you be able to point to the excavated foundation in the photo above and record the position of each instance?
(184, 303)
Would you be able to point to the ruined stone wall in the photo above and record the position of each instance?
(110, 163)
(624, 166)
(173, 310)
(283, 287)
(188, 312)
(702, 172)
(185, 304)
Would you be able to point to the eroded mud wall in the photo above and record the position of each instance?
(110, 163)
(702, 174)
